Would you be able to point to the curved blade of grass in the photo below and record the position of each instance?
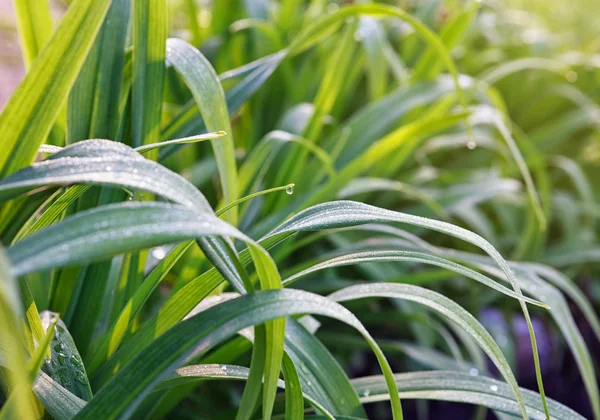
(30, 112)
(526, 275)
(325, 216)
(111, 230)
(184, 140)
(347, 213)
(368, 185)
(210, 98)
(199, 333)
(189, 121)
(445, 307)
(461, 387)
(415, 257)
(289, 189)
(107, 163)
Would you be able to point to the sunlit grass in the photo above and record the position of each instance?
(174, 186)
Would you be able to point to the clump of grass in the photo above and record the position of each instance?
(125, 294)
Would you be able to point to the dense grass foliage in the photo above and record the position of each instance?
(289, 209)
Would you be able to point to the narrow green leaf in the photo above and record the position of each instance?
(464, 388)
(149, 52)
(418, 257)
(210, 98)
(106, 163)
(35, 27)
(43, 349)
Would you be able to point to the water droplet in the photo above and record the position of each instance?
(159, 253)
(494, 388)
(473, 372)
(571, 76)
(290, 189)
(366, 393)
(224, 368)
(471, 145)
(332, 8)
(108, 169)
(80, 377)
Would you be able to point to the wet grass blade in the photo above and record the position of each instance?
(208, 93)
(447, 308)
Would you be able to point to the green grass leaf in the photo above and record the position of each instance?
(208, 93)
(461, 387)
(408, 256)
